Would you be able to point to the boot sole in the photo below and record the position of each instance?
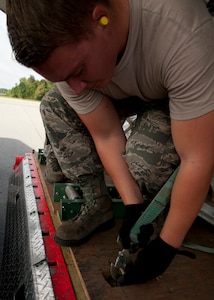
(69, 243)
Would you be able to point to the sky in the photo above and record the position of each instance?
(10, 70)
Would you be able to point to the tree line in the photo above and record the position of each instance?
(30, 88)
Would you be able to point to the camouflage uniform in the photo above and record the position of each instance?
(150, 153)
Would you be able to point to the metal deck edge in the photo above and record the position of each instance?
(51, 277)
(67, 253)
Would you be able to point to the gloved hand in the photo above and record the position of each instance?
(151, 262)
(132, 213)
(146, 231)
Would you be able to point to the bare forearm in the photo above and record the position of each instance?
(189, 192)
(110, 152)
(194, 143)
(105, 127)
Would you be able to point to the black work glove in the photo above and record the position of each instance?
(132, 213)
(146, 231)
(151, 262)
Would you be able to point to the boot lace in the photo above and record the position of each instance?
(86, 207)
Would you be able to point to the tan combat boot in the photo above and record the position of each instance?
(96, 214)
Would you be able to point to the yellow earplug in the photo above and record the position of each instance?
(103, 21)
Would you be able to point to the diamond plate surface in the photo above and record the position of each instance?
(25, 273)
(40, 269)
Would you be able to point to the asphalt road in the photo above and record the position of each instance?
(21, 131)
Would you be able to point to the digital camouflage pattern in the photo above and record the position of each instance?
(69, 138)
(150, 153)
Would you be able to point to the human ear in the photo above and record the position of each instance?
(100, 15)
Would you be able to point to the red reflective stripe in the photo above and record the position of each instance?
(18, 161)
